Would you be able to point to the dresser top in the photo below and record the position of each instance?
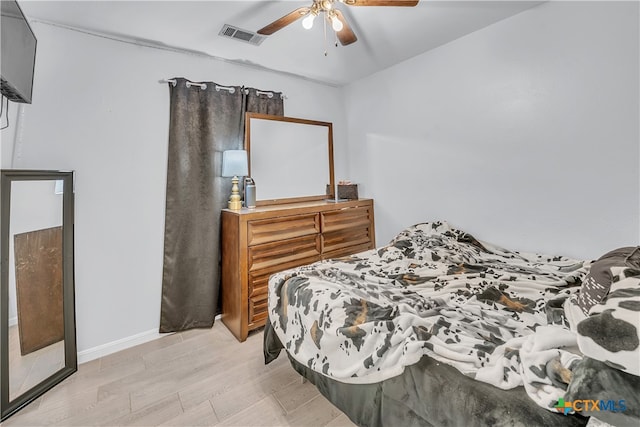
(316, 205)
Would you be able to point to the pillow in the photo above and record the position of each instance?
(611, 332)
(597, 283)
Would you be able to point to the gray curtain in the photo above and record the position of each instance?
(265, 102)
(204, 122)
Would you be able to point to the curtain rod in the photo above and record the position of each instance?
(231, 89)
(202, 86)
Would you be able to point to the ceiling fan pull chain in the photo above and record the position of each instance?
(324, 26)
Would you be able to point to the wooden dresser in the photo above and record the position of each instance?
(257, 243)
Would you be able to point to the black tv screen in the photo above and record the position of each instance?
(18, 53)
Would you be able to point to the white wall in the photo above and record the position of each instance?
(524, 133)
(9, 135)
(99, 109)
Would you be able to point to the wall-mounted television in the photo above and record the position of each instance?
(18, 53)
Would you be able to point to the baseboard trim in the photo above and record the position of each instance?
(121, 344)
(118, 345)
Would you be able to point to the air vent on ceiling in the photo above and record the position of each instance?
(240, 34)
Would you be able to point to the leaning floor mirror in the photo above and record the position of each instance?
(37, 311)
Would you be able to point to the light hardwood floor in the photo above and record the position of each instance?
(202, 377)
(28, 370)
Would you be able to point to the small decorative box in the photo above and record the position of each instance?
(346, 191)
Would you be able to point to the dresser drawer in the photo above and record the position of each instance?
(259, 279)
(277, 256)
(282, 228)
(259, 282)
(345, 219)
(258, 310)
(346, 241)
(347, 250)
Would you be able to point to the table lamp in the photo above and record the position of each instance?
(234, 164)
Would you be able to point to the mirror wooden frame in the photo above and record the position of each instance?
(10, 407)
(303, 198)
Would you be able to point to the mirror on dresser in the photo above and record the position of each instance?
(37, 313)
(290, 159)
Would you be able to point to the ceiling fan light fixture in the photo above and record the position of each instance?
(333, 15)
(307, 22)
(336, 24)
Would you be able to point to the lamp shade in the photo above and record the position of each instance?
(234, 163)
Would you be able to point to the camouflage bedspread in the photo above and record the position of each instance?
(437, 291)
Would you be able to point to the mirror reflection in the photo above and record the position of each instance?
(289, 158)
(37, 312)
(36, 329)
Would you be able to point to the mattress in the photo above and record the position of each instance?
(427, 393)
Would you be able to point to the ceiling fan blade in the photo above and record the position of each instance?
(381, 2)
(279, 24)
(346, 35)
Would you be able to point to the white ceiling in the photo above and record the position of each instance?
(386, 35)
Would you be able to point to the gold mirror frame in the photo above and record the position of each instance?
(322, 193)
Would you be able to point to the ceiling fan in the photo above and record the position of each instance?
(332, 14)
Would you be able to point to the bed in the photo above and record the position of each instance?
(439, 328)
